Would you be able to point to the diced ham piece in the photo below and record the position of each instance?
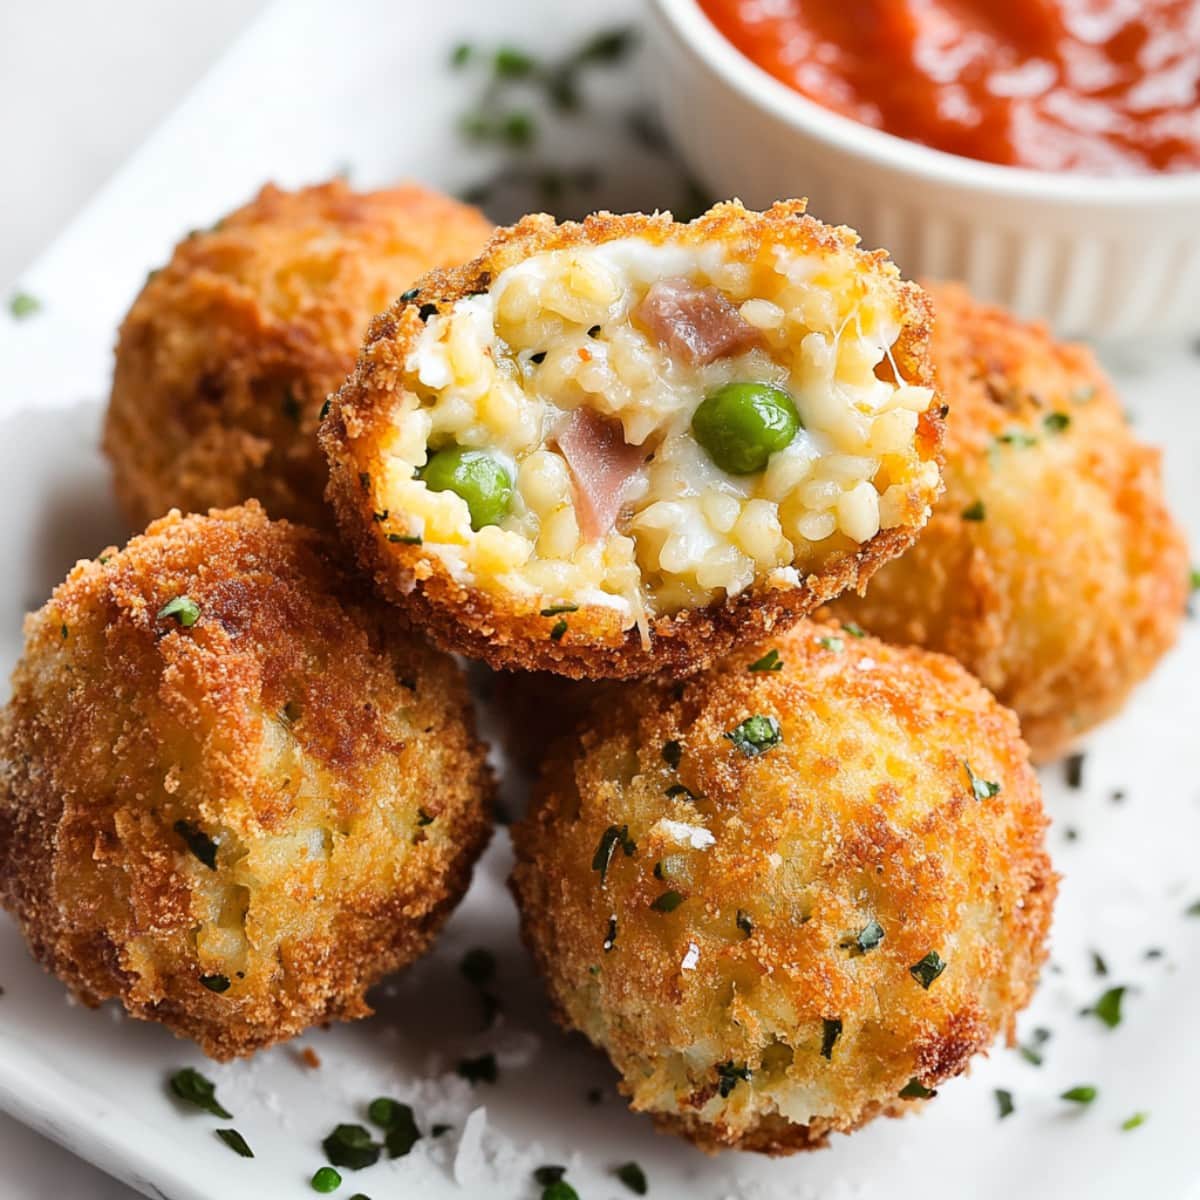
(698, 324)
(601, 463)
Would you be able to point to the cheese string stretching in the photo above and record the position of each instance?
(624, 446)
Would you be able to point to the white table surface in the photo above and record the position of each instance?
(81, 85)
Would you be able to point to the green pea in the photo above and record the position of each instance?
(477, 477)
(742, 424)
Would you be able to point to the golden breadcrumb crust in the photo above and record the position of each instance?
(226, 357)
(507, 631)
(1069, 585)
(325, 764)
(864, 812)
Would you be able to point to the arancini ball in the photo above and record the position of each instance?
(626, 446)
(230, 350)
(790, 893)
(1051, 568)
(232, 796)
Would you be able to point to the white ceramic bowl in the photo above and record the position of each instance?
(1095, 257)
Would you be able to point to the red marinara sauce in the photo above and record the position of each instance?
(1101, 86)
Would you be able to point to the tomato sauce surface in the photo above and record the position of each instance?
(1101, 86)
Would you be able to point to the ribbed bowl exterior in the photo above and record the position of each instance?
(1088, 263)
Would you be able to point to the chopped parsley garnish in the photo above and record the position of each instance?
(1016, 437)
(607, 46)
(831, 643)
(325, 1180)
(215, 983)
(728, 1077)
(854, 629)
(65, 631)
(556, 609)
(594, 331)
(1083, 1093)
(1031, 1051)
(424, 818)
(669, 901)
(610, 938)
(396, 1119)
(867, 938)
(974, 511)
(409, 296)
(744, 923)
(1073, 770)
(672, 754)
(351, 1146)
(560, 1190)
(22, 305)
(235, 1142)
(1056, 422)
(1193, 909)
(459, 57)
(982, 789)
(405, 539)
(291, 407)
(610, 839)
(478, 966)
(756, 735)
(1004, 1103)
(511, 63)
(1108, 1007)
(928, 969)
(364, 481)
(633, 1177)
(677, 789)
(1138, 1118)
(183, 608)
(478, 1070)
(1099, 966)
(199, 843)
(769, 662)
(190, 1086)
(914, 1089)
(379, 517)
(560, 627)
(831, 1030)
(551, 1173)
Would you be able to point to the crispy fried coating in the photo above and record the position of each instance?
(235, 825)
(520, 629)
(1051, 568)
(744, 917)
(227, 355)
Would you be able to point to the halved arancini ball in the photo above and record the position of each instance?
(1051, 568)
(790, 893)
(231, 795)
(625, 446)
(228, 354)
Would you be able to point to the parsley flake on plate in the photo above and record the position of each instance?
(914, 1089)
(235, 1142)
(669, 901)
(351, 1146)
(633, 1177)
(974, 511)
(1108, 1007)
(1004, 1103)
(193, 1088)
(1083, 1093)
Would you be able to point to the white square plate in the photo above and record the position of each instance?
(318, 84)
